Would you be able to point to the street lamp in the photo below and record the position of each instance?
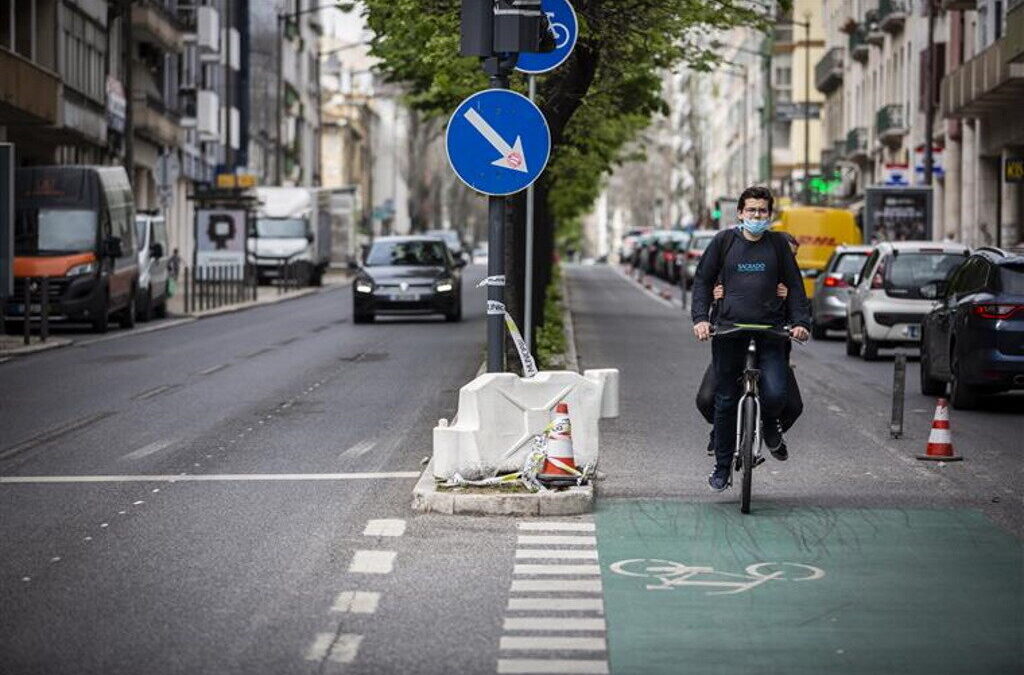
(282, 19)
(746, 99)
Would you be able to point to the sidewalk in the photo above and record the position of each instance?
(14, 345)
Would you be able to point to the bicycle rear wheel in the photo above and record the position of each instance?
(749, 421)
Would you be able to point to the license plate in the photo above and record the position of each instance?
(19, 309)
(914, 332)
(405, 297)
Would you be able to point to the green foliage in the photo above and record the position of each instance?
(550, 336)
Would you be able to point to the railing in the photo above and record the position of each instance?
(874, 33)
(857, 44)
(890, 123)
(34, 295)
(987, 82)
(828, 72)
(892, 14)
(214, 286)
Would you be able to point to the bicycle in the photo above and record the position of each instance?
(559, 31)
(748, 411)
(672, 575)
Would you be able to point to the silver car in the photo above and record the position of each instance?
(832, 289)
(154, 277)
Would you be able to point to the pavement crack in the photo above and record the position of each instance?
(55, 433)
(327, 652)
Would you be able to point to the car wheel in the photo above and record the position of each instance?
(817, 331)
(852, 347)
(961, 396)
(126, 319)
(101, 322)
(360, 317)
(455, 314)
(868, 348)
(929, 385)
(160, 311)
(146, 306)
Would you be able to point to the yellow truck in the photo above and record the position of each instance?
(818, 230)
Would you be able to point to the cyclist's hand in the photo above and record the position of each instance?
(719, 292)
(799, 333)
(782, 291)
(702, 330)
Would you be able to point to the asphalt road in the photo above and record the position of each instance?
(233, 495)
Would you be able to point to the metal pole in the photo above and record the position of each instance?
(278, 95)
(929, 92)
(496, 207)
(186, 298)
(746, 122)
(770, 104)
(528, 282)
(44, 306)
(899, 383)
(807, 109)
(28, 304)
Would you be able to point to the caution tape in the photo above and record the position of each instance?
(497, 308)
(496, 280)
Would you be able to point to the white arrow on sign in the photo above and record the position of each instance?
(512, 156)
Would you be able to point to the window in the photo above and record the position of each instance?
(85, 56)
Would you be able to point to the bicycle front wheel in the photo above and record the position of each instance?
(748, 420)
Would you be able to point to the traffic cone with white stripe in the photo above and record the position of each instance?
(940, 440)
(560, 464)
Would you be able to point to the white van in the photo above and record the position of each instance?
(154, 280)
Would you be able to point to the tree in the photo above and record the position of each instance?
(595, 103)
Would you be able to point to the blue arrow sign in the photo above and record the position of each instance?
(564, 28)
(498, 142)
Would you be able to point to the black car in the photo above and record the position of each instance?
(974, 336)
(408, 275)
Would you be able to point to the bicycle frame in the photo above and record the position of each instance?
(751, 377)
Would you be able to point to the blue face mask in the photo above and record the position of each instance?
(755, 227)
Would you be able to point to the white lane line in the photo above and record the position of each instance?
(212, 369)
(356, 602)
(155, 391)
(555, 540)
(359, 449)
(555, 554)
(552, 643)
(554, 624)
(568, 666)
(385, 527)
(337, 648)
(566, 570)
(556, 585)
(190, 478)
(372, 562)
(146, 450)
(556, 604)
(557, 527)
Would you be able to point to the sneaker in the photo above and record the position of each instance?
(780, 453)
(773, 437)
(719, 479)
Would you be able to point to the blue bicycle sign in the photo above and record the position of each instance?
(564, 29)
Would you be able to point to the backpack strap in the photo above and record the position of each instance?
(724, 251)
(779, 245)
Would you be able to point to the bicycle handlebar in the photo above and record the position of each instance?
(780, 331)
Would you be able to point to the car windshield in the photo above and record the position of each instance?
(849, 264)
(909, 271)
(1011, 278)
(54, 231)
(280, 228)
(700, 243)
(416, 253)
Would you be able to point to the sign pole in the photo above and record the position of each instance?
(528, 282)
(496, 214)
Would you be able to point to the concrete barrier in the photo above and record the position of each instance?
(500, 413)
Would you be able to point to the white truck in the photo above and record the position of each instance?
(291, 234)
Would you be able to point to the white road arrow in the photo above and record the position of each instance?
(512, 156)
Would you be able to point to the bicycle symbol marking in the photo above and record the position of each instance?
(558, 30)
(673, 574)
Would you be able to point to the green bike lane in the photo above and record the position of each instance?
(856, 557)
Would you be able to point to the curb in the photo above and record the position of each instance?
(426, 498)
(52, 343)
(571, 355)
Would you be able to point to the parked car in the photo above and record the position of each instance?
(818, 230)
(151, 237)
(651, 248)
(74, 225)
(667, 250)
(832, 289)
(628, 246)
(479, 256)
(886, 306)
(408, 275)
(452, 239)
(973, 339)
(695, 249)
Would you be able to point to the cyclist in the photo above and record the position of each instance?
(794, 402)
(751, 263)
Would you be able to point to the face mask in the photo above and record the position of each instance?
(755, 227)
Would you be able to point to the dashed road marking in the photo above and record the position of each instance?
(556, 604)
(385, 527)
(556, 540)
(555, 554)
(356, 602)
(557, 527)
(336, 648)
(554, 623)
(212, 369)
(372, 562)
(565, 570)
(552, 643)
(155, 391)
(146, 450)
(359, 449)
(568, 666)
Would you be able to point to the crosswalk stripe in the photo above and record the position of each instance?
(554, 554)
(554, 624)
(556, 604)
(557, 527)
(568, 666)
(556, 586)
(552, 643)
(567, 570)
(556, 539)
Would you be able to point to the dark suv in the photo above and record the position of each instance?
(974, 336)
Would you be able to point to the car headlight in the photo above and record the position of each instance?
(78, 270)
(363, 286)
(444, 286)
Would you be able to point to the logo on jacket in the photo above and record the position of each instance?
(751, 267)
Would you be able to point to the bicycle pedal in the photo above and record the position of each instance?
(758, 461)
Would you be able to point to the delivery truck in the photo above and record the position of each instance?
(291, 234)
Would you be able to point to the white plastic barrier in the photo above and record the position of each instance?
(500, 413)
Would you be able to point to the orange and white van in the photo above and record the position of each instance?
(819, 231)
(75, 225)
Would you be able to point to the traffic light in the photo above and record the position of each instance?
(492, 27)
(716, 214)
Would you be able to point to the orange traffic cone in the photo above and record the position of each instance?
(940, 440)
(560, 465)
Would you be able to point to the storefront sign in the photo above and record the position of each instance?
(117, 105)
(1013, 170)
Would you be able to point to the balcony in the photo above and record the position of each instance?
(959, 4)
(29, 94)
(892, 14)
(857, 144)
(890, 124)
(154, 121)
(828, 72)
(153, 22)
(987, 83)
(874, 33)
(858, 45)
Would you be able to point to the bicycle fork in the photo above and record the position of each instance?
(751, 375)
